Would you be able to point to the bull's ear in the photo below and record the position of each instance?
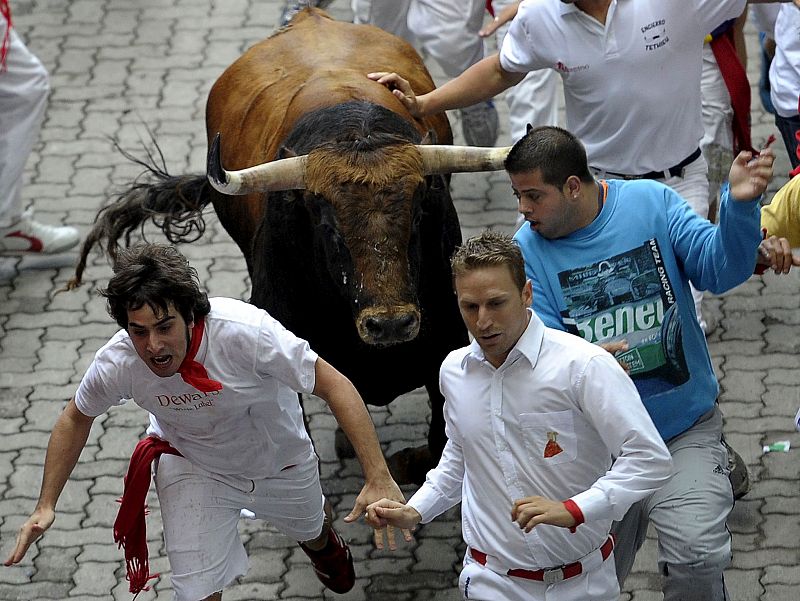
(430, 138)
(286, 153)
(528, 128)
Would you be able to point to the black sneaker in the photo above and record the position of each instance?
(333, 564)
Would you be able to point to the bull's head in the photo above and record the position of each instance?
(367, 202)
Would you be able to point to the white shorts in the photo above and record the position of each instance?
(200, 513)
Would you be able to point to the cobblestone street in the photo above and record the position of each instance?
(119, 69)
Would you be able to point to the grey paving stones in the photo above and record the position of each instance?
(119, 68)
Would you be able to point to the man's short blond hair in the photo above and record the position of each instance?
(490, 249)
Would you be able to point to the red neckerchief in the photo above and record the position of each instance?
(738, 88)
(193, 372)
(5, 12)
(129, 527)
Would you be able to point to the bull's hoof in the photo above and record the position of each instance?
(342, 446)
(410, 465)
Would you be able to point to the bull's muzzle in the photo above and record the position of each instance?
(384, 327)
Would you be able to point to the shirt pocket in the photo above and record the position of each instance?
(549, 437)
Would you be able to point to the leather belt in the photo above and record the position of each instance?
(674, 171)
(552, 575)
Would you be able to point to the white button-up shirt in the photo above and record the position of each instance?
(559, 419)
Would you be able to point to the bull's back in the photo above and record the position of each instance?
(313, 63)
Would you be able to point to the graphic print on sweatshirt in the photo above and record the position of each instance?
(629, 297)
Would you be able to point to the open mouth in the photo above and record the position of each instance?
(161, 360)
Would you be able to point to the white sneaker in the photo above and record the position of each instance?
(480, 123)
(29, 236)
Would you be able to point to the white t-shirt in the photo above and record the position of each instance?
(253, 427)
(784, 73)
(560, 419)
(631, 86)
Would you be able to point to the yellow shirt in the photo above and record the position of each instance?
(782, 216)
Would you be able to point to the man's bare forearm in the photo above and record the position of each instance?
(67, 440)
(350, 412)
(482, 81)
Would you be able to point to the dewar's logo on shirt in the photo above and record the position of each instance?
(188, 400)
(655, 35)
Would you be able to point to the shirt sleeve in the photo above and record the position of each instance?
(715, 258)
(518, 50)
(443, 484)
(282, 355)
(442, 487)
(643, 464)
(713, 13)
(781, 217)
(106, 383)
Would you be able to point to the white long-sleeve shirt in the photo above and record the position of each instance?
(604, 452)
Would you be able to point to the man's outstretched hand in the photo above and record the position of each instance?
(750, 175)
(390, 514)
(33, 528)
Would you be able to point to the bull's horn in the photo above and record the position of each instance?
(460, 159)
(283, 174)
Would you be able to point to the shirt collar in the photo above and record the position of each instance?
(529, 345)
(566, 9)
(569, 9)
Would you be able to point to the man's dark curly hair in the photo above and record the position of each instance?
(156, 275)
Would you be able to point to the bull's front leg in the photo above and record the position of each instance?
(411, 465)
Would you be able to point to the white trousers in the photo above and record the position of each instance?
(200, 513)
(447, 30)
(717, 142)
(535, 99)
(23, 98)
(478, 583)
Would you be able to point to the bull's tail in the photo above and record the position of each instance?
(173, 203)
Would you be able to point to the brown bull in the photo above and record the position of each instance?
(344, 214)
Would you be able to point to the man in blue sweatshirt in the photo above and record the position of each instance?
(611, 261)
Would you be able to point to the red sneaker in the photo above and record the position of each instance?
(333, 564)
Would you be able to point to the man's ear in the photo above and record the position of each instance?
(527, 293)
(572, 187)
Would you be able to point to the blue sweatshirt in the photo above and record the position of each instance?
(626, 276)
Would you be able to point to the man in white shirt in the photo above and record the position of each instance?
(219, 379)
(548, 442)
